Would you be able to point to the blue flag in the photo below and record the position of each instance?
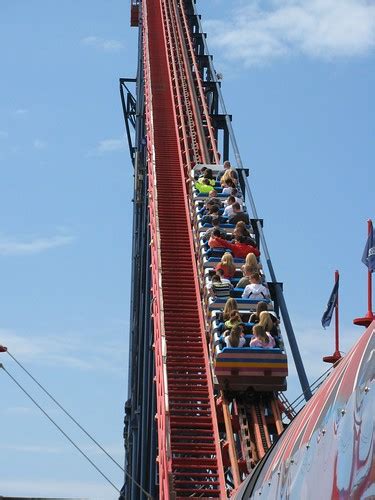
(368, 257)
(327, 316)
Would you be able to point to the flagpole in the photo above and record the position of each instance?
(370, 314)
(337, 350)
(367, 320)
(336, 356)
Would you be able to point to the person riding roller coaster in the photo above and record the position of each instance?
(239, 249)
(203, 186)
(238, 215)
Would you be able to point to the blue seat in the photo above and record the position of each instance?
(215, 252)
(247, 326)
(254, 350)
(217, 259)
(242, 303)
(205, 195)
(222, 225)
(237, 292)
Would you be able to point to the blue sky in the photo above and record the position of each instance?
(297, 79)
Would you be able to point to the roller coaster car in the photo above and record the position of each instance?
(238, 369)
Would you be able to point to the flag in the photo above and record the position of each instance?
(327, 316)
(368, 257)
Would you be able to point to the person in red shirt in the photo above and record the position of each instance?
(216, 241)
(226, 264)
(238, 248)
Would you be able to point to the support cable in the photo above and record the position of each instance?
(59, 428)
(64, 433)
(66, 412)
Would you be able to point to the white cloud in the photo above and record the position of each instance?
(14, 247)
(110, 145)
(21, 111)
(39, 144)
(326, 29)
(103, 44)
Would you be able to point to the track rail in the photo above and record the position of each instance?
(189, 446)
(179, 135)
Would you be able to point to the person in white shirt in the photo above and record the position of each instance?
(228, 211)
(228, 186)
(255, 290)
(238, 196)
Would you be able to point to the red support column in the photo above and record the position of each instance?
(336, 356)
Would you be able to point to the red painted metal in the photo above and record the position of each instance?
(3, 348)
(366, 320)
(336, 356)
(188, 440)
(199, 86)
(328, 449)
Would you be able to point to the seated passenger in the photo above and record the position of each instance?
(229, 174)
(238, 215)
(226, 166)
(262, 338)
(215, 225)
(256, 290)
(228, 186)
(227, 265)
(252, 266)
(247, 272)
(228, 211)
(269, 322)
(255, 317)
(207, 175)
(219, 289)
(220, 273)
(203, 186)
(216, 241)
(238, 195)
(199, 173)
(230, 305)
(240, 249)
(213, 212)
(253, 262)
(234, 319)
(236, 337)
(212, 196)
(241, 230)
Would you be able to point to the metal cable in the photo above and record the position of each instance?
(59, 428)
(66, 412)
(66, 435)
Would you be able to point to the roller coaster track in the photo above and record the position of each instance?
(189, 446)
(207, 442)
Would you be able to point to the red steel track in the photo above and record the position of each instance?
(190, 461)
